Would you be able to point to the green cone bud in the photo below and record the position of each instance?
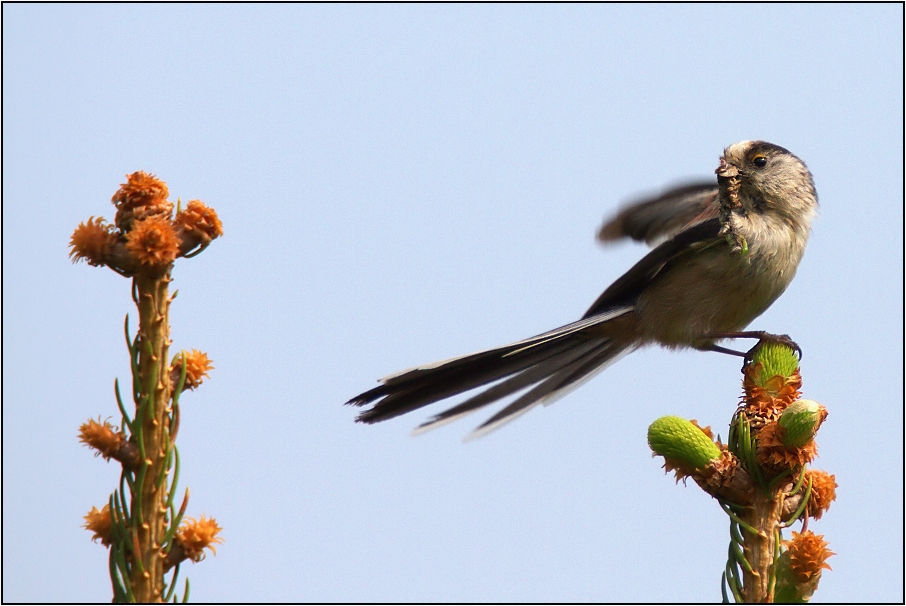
(677, 439)
(776, 359)
(800, 421)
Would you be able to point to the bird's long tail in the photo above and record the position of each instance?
(548, 365)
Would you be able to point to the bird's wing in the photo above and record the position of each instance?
(626, 289)
(654, 219)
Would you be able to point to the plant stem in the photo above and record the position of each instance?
(764, 515)
(150, 500)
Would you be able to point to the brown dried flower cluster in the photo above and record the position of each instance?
(726, 478)
(199, 222)
(772, 453)
(99, 523)
(102, 437)
(140, 189)
(92, 241)
(141, 196)
(196, 536)
(766, 401)
(197, 366)
(144, 237)
(808, 555)
(153, 241)
(824, 491)
(110, 442)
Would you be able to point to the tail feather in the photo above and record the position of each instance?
(552, 361)
(511, 385)
(556, 386)
(428, 386)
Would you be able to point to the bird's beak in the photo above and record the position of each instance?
(725, 169)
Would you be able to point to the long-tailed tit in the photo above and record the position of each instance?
(727, 251)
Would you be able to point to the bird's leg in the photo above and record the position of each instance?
(762, 336)
(725, 350)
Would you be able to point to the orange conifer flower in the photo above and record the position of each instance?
(721, 474)
(153, 241)
(140, 189)
(767, 401)
(808, 555)
(196, 536)
(197, 366)
(679, 470)
(101, 437)
(92, 241)
(824, 490)
(142, 196)
(771, 451)
(197, 218)
(99, 523)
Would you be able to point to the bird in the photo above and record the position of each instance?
(723, 252)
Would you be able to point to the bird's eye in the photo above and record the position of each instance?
(760, 161)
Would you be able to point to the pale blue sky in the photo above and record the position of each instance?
(400, 184)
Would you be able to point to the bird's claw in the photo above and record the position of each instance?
(766, 337)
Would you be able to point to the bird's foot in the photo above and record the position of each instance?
(762, 336)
